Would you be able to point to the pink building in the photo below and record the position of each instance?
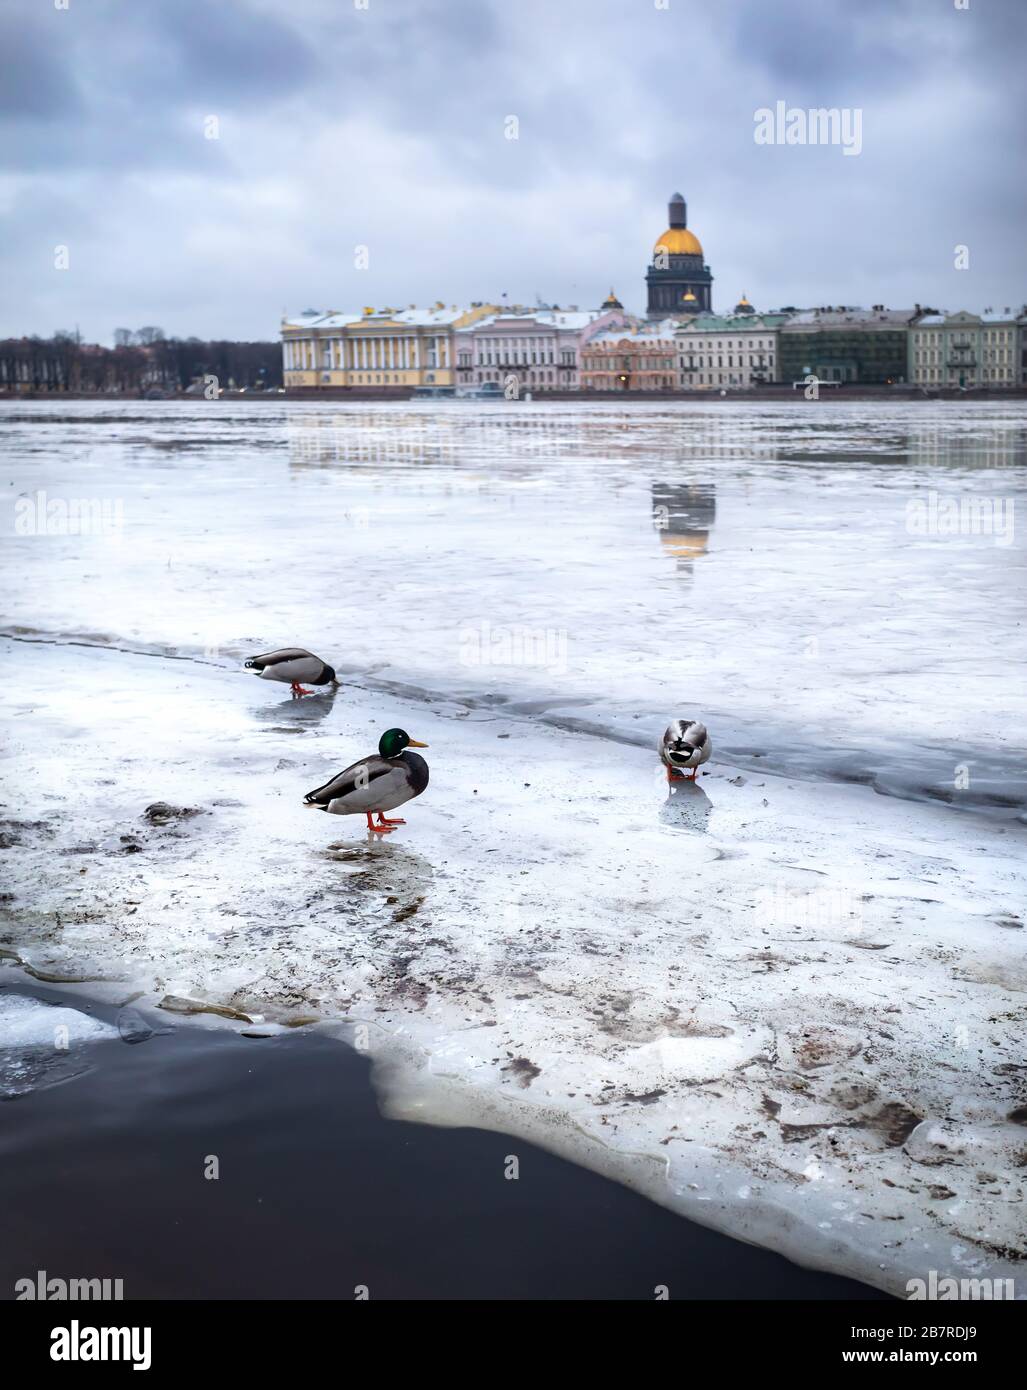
(541, 348)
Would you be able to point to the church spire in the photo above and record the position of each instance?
(676, 211)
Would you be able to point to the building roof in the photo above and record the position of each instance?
(437, 316)
(964, 316)
(655, 333)
(732, 323)
(853, 319)
(571, 319)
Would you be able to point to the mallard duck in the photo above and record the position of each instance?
(292, 665)
(685, 744)
(376, 784)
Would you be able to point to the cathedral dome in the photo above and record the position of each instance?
(678, 241)
(678, 282)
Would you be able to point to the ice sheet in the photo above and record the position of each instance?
(755, 563)
(43, 1045)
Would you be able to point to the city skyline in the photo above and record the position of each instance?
(242, 162)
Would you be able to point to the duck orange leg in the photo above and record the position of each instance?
(382, 829)
(384, 820)
(298, 689)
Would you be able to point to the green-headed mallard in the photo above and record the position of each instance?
(293, 665)
(375, 784)
(685, 744)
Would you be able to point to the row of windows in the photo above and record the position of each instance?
(516, 359)
(365, 379)
(756, 362)
(764, 360)
(700, 378)
(715, 344)
(538, 378)
(626, 364)
(930, 355)
(619, 381)
(499, 346)
(988, 335)
(937, 376)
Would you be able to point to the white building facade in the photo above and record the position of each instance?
(724, 353)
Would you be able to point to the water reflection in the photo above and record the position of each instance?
(683, 515)
(298, 712)
(933, 446)
(441, 438)
(380, 877)
(469, 435)
(472, 435)
(966, 443)
(687, 807)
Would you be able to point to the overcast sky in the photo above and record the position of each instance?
(385, 127)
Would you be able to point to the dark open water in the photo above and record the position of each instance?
(103, 1176)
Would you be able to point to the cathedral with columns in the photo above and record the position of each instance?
(678, 280)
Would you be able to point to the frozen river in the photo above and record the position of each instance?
(789, 1001)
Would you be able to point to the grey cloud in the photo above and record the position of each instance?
(37, 83)
(384, 127)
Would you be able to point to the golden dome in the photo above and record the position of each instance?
(689, 298)
(678, 241)
(686, 547)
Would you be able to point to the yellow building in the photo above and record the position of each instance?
(378, 348)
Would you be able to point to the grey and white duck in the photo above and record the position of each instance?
(685, 745)
(376, 784)
(292, 666)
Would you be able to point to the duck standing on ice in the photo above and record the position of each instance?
(292, 665)
(686, 744)
(376, 784)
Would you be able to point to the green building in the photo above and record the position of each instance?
(841, 344)
(965, 350)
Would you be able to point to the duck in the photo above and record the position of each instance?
(293, 665)
(376, 784)
(685, 744)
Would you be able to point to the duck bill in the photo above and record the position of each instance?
(415, 744)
